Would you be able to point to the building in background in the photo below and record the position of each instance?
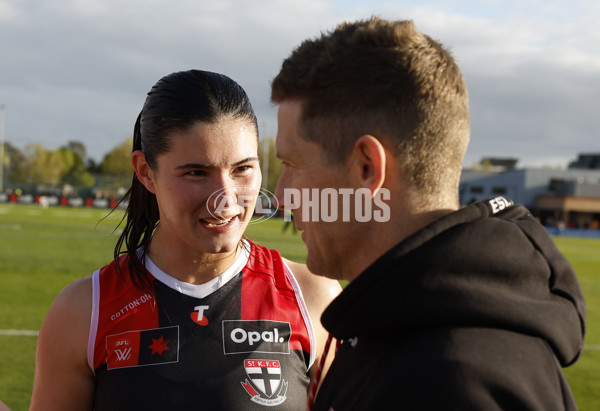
(560, 198)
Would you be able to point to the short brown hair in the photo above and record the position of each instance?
(387, 79)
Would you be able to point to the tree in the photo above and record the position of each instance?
(15, 164)
(92, 166)
(269, 163)
(43, 166)
(75, 173)
(40, 166)
(79, 148)
(116, 165)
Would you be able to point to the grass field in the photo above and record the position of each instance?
(42, 250)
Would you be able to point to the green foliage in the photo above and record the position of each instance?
(75, 173)
(43, 166)
(78, 148)
(39, 166)
(270, 164)
(117, 164)
(42, 250)
(14, 163)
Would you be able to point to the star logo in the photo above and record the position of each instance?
(137, 348)
(159, 345)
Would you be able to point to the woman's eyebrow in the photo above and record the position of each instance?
(204, 166)
(246, 160)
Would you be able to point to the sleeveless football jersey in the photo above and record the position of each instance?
(242, 341)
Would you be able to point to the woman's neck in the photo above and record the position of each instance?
(190, 266)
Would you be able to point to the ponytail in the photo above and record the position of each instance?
(141, 216)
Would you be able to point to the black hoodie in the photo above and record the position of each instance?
(478, 310)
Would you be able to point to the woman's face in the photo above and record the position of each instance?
(206, 186)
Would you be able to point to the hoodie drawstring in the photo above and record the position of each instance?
(313, 388)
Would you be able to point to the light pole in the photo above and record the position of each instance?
(2, 108)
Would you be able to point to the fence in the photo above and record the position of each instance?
(573, 232)
(46, 201)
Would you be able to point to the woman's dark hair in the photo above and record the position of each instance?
(175, 103)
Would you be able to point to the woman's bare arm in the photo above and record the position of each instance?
(318, 292)
(63, 379)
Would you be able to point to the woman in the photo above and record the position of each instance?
(192, 315)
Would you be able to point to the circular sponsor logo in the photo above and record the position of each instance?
(264, 205)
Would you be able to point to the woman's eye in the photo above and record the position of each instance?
(242, 169)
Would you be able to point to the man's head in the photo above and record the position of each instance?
(386, 79)
(372, 104)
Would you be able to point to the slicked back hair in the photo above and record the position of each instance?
(175, 103)
(386, 79)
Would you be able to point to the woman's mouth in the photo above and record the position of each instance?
(216, 222)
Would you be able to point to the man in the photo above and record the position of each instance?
(447, 307)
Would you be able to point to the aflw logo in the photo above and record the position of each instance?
(123, 355)
(140, 348)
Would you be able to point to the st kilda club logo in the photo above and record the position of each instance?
(264, 383)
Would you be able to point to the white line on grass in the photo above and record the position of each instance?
(20, 333)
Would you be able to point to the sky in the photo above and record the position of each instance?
(79, 70)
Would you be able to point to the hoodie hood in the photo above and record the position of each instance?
(483, 266)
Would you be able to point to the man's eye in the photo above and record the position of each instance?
(196, 173)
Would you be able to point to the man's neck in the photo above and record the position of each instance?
(379, 238)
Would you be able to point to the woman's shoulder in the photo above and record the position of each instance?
(67, 322)
(74, 300)
(62, 373)
(317, 290)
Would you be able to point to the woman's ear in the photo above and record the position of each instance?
(143, 171)
(369, 162)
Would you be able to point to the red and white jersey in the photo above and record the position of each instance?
(243, 340)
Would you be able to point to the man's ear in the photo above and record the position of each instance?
(369, 162)
(142, 170)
